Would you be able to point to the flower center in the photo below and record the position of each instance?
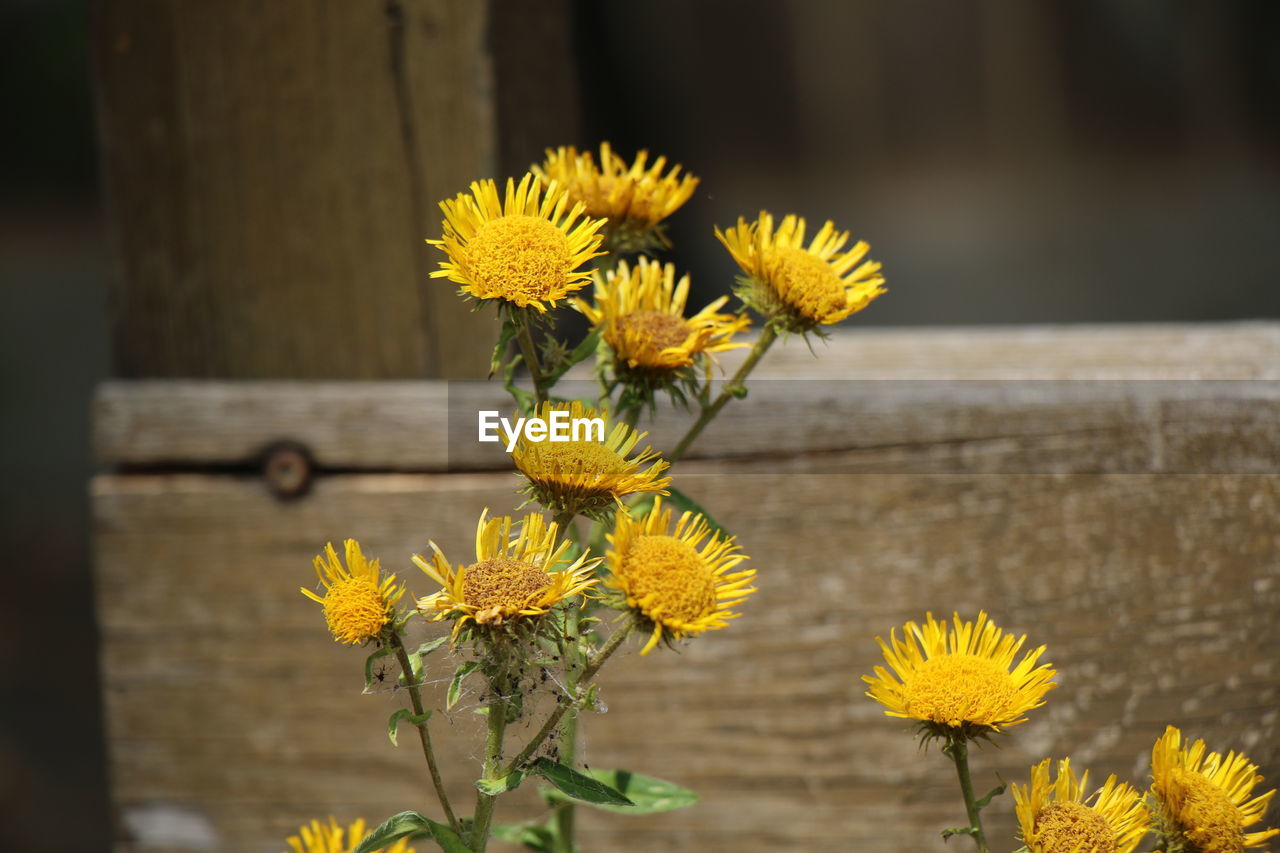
(520, 258)
(1207, 816)
(955, 689)
(502, 583)
(807, 283)
(669, 580)
(1067, 826)
(355, 609)
(572, 457)
(654, 331)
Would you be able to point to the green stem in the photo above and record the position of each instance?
(766, 339)
(572, 654)
(588, 672)
(530, 351)
(485, 803)
(958, 750)
(415, 699)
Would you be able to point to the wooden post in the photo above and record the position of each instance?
(272, 170)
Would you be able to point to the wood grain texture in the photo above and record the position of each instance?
(1132, 399)
(272, 171)
(1155, 594)
(1127, 525)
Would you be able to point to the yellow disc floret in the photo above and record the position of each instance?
(520, 258)
(961, 681)
(955, 689)
(522, 249)
(801, 287)
(1073, 828)
(1204, 798)
(357, 605)
(677, 581)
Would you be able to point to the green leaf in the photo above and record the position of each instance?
(577, 786)
(431, 645)
(508, 332)
(494, 787)
(995, 792)
(393, 829)
(684, 503)
(648, 794)
(455, 686)
(404, 714)
(961, 830)
(541, 839)
(369, 676)
(449, 841)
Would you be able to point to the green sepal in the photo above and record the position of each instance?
(393, 722)
(455, 685)
(494, 787)
(584, 350)
(994, 792)
(960, 830)
(576, 785)
(647, 794)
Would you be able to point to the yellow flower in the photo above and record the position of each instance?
(671, 578)
(1203, 800)
(523, 249)
(635, 199)
(329, 838)
(357, 606)
(1056, 817)
(801, 288)
(512, 578)
(591, 475)
(959, 682)
(640, 313)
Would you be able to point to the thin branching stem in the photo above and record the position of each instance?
(958, 750)
(734, 387)
(424, 735)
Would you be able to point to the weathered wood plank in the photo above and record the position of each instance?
(923, 417)
(1155, 594)
(272, 171)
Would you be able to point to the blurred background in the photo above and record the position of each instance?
(1009, 162)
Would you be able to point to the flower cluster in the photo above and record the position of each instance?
(966, 683)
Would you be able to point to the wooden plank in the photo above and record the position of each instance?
(1050, 400)
(272, 171)
(1155, 594)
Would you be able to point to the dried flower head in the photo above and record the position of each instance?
(639, 311)
(513, 578)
